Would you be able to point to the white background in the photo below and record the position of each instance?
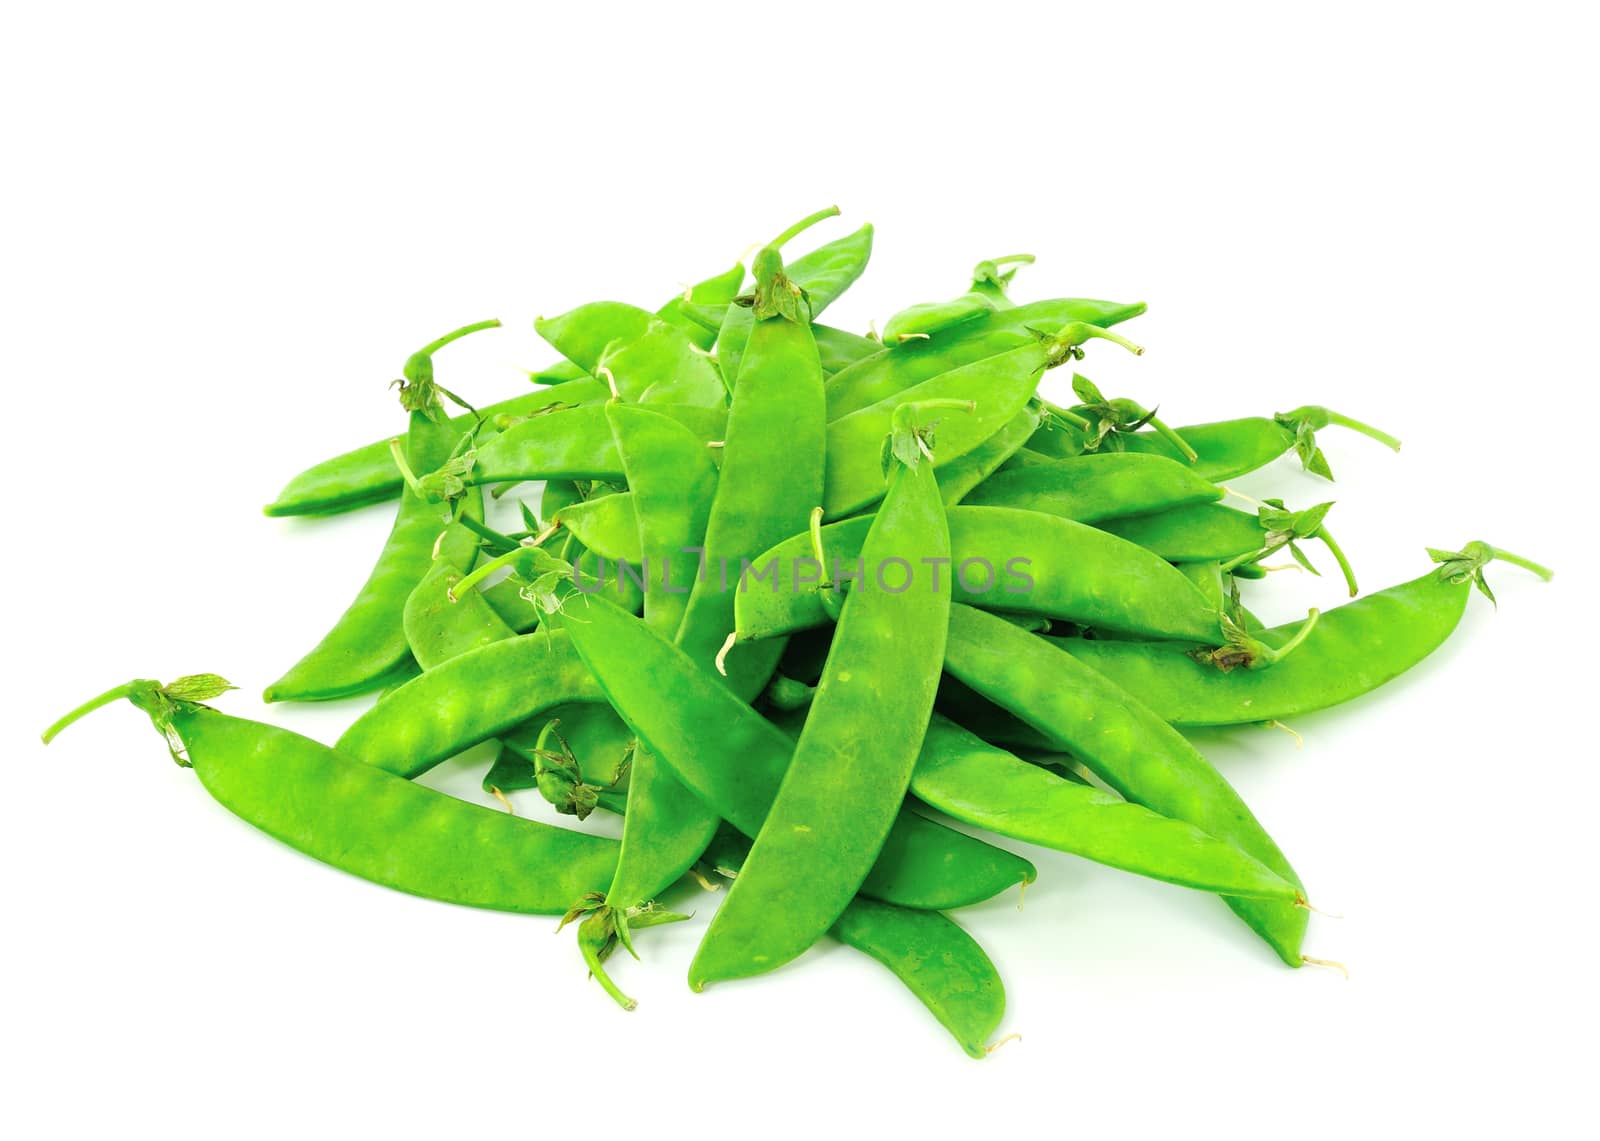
(226, 228)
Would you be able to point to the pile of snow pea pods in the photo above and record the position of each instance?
(787, 599)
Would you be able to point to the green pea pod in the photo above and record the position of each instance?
(1355, 649)
(1020, 561)
(930, 317)
(960, 476)
(881, 376)
(1195, 533)
(848, 777)
(368, 475)
(365, 821)
(980, 784)
(647, 359)
(822, 276)
(438, 627)
(369, 642)
(936, 960)
(837, 349)
(1095, 487)
(734, 759)
(576, 443)
(673, 480)
(468, 699)
(600, 744)
(1126, 745)
(608, 525)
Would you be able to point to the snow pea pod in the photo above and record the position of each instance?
(848, 776)
(838, 349)
(1195, 533)
(369, 640)
(823, 274)
(998, 388)
(648, 359)
(1095, 487)
(673, 480)
(363, 820)
(1355, 649)
(960, 476)
(977, 783)
(734, 759)
(1123, 743)
(910, 363)
(1024, 561)
(937, 961)
(367, 475)
(439, 628)
(468, 699)
(986, 294)
(1229, 448)
(576, 443)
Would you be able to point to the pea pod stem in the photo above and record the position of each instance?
(484, 570)
(477, 327)
(802, 226)
(1319, 416)
(1267, 655)
(1505, 556)
(1171, 436)
(127, 689)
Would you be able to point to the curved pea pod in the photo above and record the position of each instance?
(466, 700)
(937, 961)
(370, 823)
(368, 642)
(848, 776)
(980, 784)
(713, 292)
(929, 317)
(909, 363)
(1004, 559)
(838, 349)
(1095, 487)
(1354, 649)
(649, 359)
(576, 443)
(824, 273)
(1195, 533)
(734, 759)
(368, 474)
(999, 388)
(608, 525)
(438, 628)
(960, 476)
(1125, 744)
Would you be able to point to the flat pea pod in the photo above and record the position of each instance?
(1194, 533)
(777, 409)
(468, 699)
(986, 294)
(1354, 649)
(845, 784)
(1002, 558)
(838, 349)
(980, 784)
(438, 627)
(1226, 449)
(369, 639)
(1095, 487)
(910, 363)
(576, 443)
(608, 525)
(365, 821)
(648, 359)
(1121, 741)
(938, 962)
(960, 476)
(998, 388)
(823, 274)
(368, 474)
(673, 480)
(734, 759)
